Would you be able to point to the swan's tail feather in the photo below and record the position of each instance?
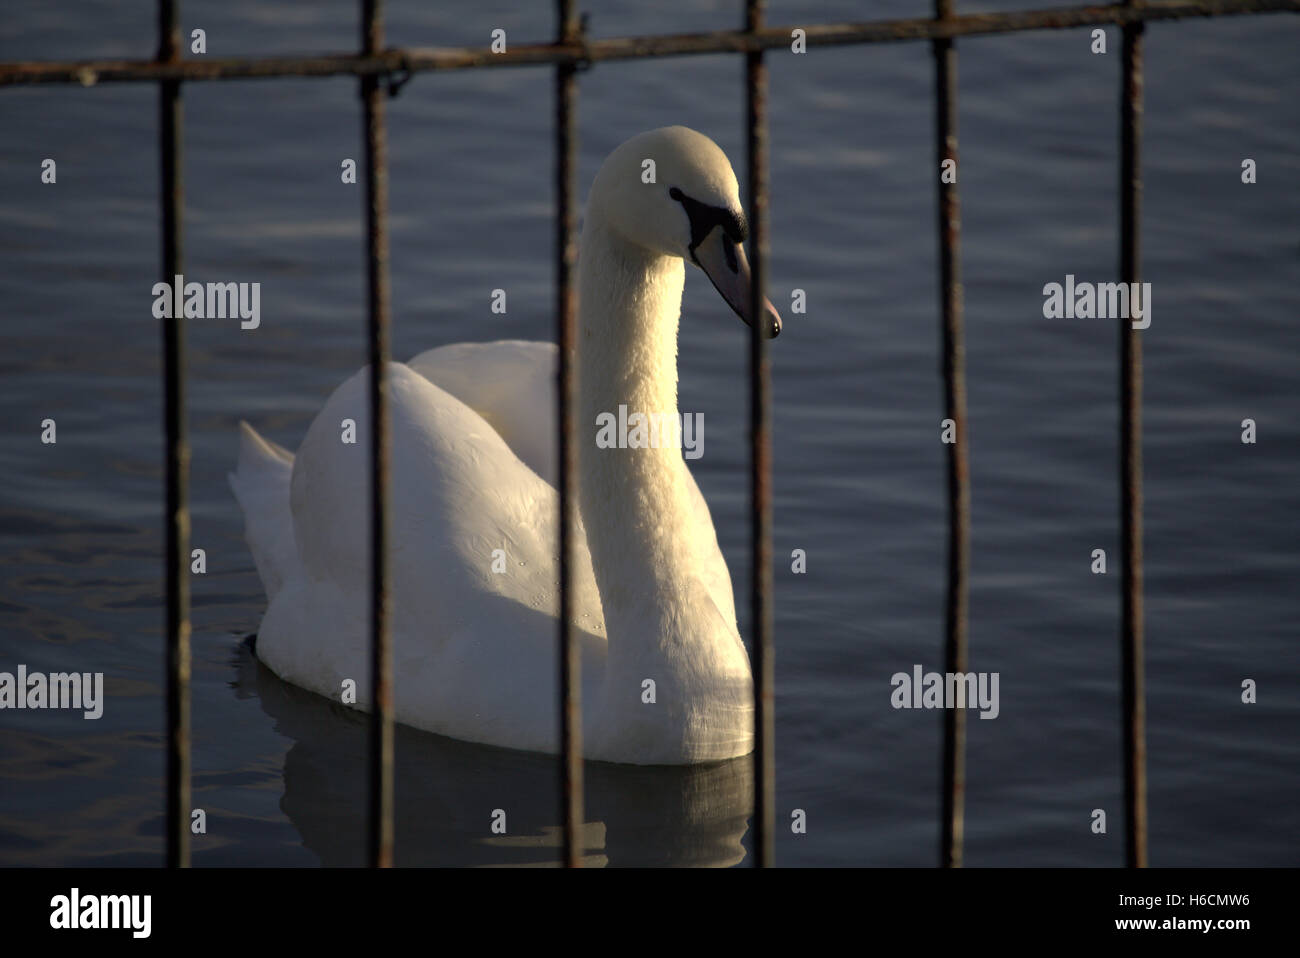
(260, 483)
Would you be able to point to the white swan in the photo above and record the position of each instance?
(475, 650)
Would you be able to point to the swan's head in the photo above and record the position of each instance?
(673, 192)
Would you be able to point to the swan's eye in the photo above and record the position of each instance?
(737, 227)
(703, 218)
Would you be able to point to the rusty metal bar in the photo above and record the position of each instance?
(566, 256)
(418, 60)
(760, 440)
(378, 303)
(1132, 655)
(176, 455)
(954, 404)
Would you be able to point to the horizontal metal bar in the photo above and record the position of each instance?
(420, 60)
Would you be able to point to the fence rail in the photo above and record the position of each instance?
(1132, 695)
(380, 68)
(762, 620)
(176, 455)
(379, 310)
(566, 258)
(952, 818)
(580, 52)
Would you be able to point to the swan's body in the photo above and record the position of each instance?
(474, 471)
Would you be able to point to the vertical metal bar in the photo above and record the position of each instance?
(381, 652)
(760, 459)
(177, 455)
(1133, 690)
(954, 400)
(566, 321)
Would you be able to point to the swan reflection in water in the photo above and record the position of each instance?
(446, 793)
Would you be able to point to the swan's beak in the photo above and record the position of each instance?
(726, 266)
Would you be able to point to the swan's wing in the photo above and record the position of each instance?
(261, 486)
(713, 565)
(473, 571)
(511, 385)
(462, 502)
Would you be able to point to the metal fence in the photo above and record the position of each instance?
(381, 71)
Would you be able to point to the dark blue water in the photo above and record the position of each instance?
(858, 464)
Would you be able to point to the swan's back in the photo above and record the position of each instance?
(474, 627)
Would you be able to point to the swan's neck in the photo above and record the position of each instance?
(636, 503)
(629, 303)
